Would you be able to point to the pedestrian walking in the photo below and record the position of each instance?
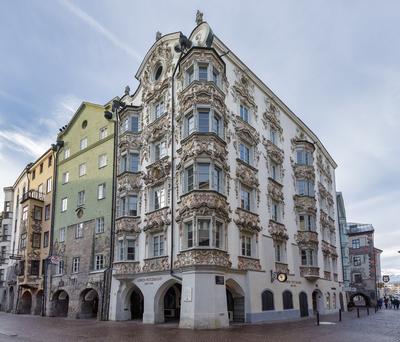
(386, 301)
(380, 302)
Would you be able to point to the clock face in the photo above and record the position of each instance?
(282, 277)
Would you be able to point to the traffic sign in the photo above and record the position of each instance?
(386, 278)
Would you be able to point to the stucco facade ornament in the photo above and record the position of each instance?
(247, 221)
(323, 192)
(162, 55)
(275, 191)
(246, 132)
(158, 220)
(324, 168)
(302, 140)
(157, 172)
(59, 248)
(277, 231)
(325, 248)
(199, 17)
(304, 172)
(156, 264)
(248, 264)
(305, 204)
(203, 257)
(197, 145)
(203, 203)
(281, 267)
(157, 130)
(129, 141)
(274, 152)
(311, 272)
(126, 268)
(129, 182)
(202, 93)
(127, 225)
(247, 175)
(323, 219)
(243, 90)
(271, 116)
(305, 238)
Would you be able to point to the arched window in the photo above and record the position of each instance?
(287, 300)
(267, 298)
(328, 301)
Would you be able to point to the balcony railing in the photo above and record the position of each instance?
(309, 272)
(32, 194)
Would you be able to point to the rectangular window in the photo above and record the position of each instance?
(245, 153)
(159, 109)
(216, 127)
(273, 136)
(50, 161)
(37, 213)
(304, 157)
(49, 184)
(158, 245)
(189, 178)
(103, 133)
(159, 198)
(23, 241)
(46, 239)
(160, 150)
(203, 228)
(355, 243)
(305, 188)
(190, 75)
(218, 234)
(307, 222)
(204, 175)
(33, 175)
(60, 267)
(101, 191)
(83, 143)
(76, 264)
(24, 213)
(217, 179)
(82, 170)
(189, 234)
(40, 189)
(62, 234)
(47, 212)
(41, 168)
(35, 267)
(278, 252)
(102, 160)
(245, 198)
(215, 76)
(99, 262)
(244, 113)
(357, 278)
(65, 177)
(79, 231)
(275, 174)
(204, 121)
(64, 204)
(121, 249)
(134, 162)
(308, 257)
(203, 72)
(81, 198)
(67, 153)
(36, 237)
(130, 249)
(135, 124)
(246, 245)
(190, 124)
(357, 261)
(99, 225)
(275, 211)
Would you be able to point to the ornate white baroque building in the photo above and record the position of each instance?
(220, 186)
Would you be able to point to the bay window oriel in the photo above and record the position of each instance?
(127, 249)
(203, 232)
(203, 175)
(129, 162)
(203, 120)
(203, 72)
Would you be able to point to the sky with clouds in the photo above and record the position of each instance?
(336, 64)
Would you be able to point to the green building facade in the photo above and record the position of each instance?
(82, 214)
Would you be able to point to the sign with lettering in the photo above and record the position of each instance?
(386, 278)
(219, 280)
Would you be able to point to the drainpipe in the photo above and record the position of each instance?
(56, 148)
(107, 276)
(171, 270)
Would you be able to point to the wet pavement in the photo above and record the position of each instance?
(377, 327)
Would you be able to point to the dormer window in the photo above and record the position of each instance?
(244, 113)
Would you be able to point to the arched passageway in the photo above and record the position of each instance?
(38, 303)
(60, 303)
(167, 302)
(235, 301)
(88, 303)
(303, 304)
(25, 304)
(136, 302)
(318, 301)
(360, 299)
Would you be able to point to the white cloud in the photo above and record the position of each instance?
(78, 12)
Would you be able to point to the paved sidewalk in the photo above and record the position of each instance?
(380, 327)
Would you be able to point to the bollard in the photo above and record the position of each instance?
(340, 315)
(358, 312)
(317, 317)
(368, 310)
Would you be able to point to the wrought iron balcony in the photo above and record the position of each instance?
(32, 194)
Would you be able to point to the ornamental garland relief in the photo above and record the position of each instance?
(271, 116)
(156, 264)
(126, 268)
(157, 172)
(209, 257)
(305, 204)
(243, 90)
(307, 239)
(277, 231)
(129, 182)
(274, 152)
(247, 221)
(157, 221)
(248, 264)
(127, 225)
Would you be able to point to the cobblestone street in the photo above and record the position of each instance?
(382, 326)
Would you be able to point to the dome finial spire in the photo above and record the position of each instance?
(199, 17)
